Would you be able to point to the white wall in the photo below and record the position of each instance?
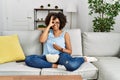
(1, 20)
(117, 24)
(83, 18)
(15, 13)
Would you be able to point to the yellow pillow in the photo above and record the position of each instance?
(10, 49)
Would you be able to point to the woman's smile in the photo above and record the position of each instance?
(56, 23)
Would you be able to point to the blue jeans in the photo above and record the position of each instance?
(65, 59)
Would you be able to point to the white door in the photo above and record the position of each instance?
(17, 15)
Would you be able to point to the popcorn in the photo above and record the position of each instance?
(53, 58)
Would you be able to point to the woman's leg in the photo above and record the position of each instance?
(37, 61)
(70, 63)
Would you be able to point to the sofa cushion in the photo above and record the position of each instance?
(29, 41)
(10, 49)
(14, 68)
(101, 44)
(75, 37)
(109, 68)
(87, 71)
(0, 33)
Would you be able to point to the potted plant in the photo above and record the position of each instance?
(41, 6)
(41, 26)
(56, 7)
(106, 12)
(49, 5)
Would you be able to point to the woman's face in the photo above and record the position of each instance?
(56, 23)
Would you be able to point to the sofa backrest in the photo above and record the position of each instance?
(75, 37)
(0, 33)
(101, 43)
(29, 41)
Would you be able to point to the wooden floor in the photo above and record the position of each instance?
(58, 77)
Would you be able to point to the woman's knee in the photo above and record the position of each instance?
(29, 58)
(72, 67)
(74, 64)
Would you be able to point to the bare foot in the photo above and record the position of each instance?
(54, 65)
(90, 59)
(85, 59)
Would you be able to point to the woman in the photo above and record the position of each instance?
(56, 41)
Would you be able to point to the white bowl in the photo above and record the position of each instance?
(53, 58)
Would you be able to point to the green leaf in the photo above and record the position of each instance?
(105, 14)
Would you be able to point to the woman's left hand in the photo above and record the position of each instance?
(57, 47)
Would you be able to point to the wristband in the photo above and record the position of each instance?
(61, 49)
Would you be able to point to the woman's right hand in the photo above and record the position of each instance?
(44, 35)
(51, 23)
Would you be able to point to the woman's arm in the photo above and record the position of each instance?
(44, 35)
(68, 48)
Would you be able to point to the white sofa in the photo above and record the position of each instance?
(104, 46)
